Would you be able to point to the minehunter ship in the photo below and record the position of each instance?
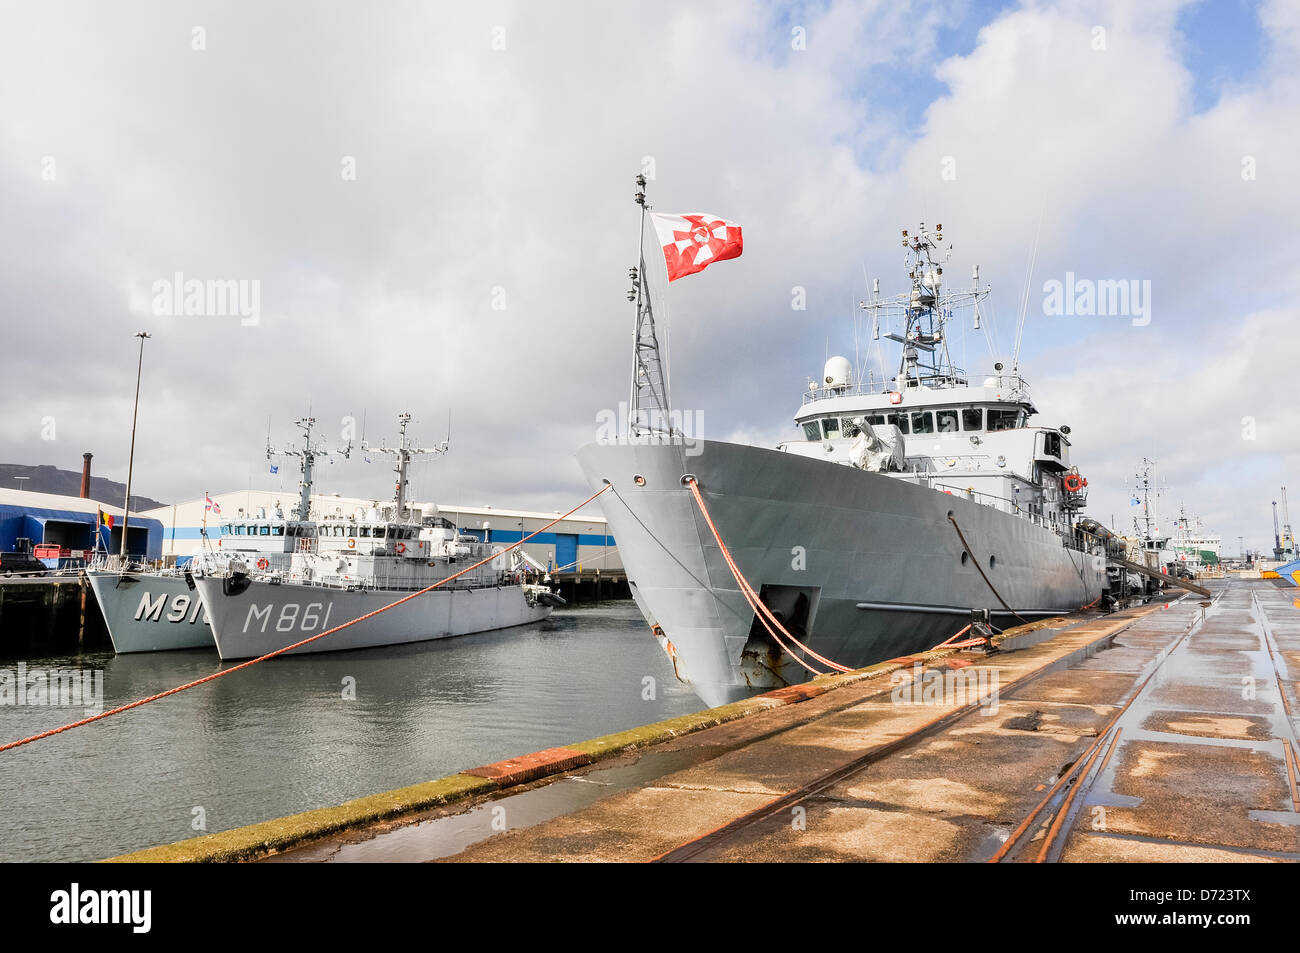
(343, 567)
(149, 611)
(905, 504)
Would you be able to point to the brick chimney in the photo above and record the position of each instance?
(85, 475)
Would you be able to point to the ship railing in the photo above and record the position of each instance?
(1011, 385)
(1002, 503)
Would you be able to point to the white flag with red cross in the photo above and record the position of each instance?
(693, 242)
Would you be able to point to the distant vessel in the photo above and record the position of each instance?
(909, 502)
(342, 567)
(1194, 545)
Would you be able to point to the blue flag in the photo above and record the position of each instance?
(275, 469)
(1135, 502)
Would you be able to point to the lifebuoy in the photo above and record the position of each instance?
(1073, 483)
(401, 547)
(352, 544)
(263, 563)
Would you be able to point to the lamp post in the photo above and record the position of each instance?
(130, 463)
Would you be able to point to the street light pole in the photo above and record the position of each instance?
(130, 463)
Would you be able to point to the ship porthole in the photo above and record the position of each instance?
(993, 561)
(950, 514)
(639, 480)
(964, 557)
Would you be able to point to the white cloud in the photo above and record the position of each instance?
(480, 169)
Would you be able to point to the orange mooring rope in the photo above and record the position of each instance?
(289, 648)
(760, 608)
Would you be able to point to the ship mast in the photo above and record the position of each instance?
(403, 452)
(926, 310)
(308, 454)
(648, 404)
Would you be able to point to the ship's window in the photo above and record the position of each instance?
(264, 531)
(947, 420)
(972, 418)
(340, 531)
(364, 532)
(1003, 419)
(900, 421)
(1052, 444)
(277, 530)
(850, 428)
(379, 532)
(832, 425)
(922, 422)
(812, 430)
(239, 530)
(876, 419)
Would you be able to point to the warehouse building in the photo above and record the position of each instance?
(29, 519)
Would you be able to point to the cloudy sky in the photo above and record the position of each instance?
(435, 201)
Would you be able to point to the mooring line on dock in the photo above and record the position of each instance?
(289, 648)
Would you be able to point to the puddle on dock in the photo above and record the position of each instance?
(446, 836)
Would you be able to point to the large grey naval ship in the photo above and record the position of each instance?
(907, 503)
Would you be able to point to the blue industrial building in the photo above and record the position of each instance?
(30, 519)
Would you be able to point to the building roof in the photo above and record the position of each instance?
(31, 500)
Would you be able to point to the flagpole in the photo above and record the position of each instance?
(130, 463)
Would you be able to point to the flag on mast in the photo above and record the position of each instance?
(693, 242)
(211, 504)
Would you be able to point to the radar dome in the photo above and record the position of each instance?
(838, 372)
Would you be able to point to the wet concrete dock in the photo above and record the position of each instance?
(1163, 733)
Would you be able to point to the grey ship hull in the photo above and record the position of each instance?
(266, 617)
(148, 612)
(867, 566)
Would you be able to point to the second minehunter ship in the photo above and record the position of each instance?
(908, 503)
(345, 568)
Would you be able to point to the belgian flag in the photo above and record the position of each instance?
(105, 519)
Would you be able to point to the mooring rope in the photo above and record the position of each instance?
(760, 608)
(966, 546)
(290, 648)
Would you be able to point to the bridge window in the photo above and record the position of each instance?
(922, 422)
(264, 531)
(947, 420)
(364, 532)
(876, 419)
(972, 418)
(379, 532)
(832, 427)
(812, 430)
(1004, 419)
(901, 422)
(277, 530)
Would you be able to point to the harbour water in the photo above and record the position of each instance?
(281, 737)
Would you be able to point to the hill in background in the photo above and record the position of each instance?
(47, 479)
